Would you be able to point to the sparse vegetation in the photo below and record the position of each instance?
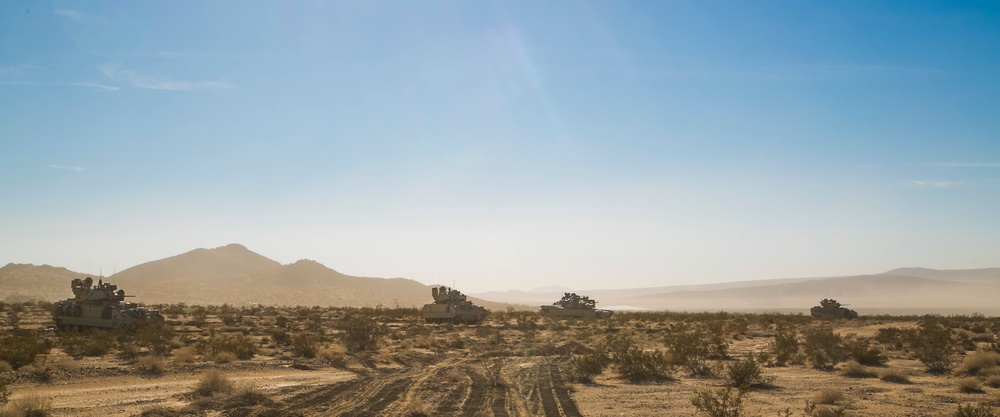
(28, 406)
(933, 345)
(724, 402)
(748, 373)
(213, 382)
(361, 333)
(518, 352)
(981, 410)
(894, 375)
(823, 347)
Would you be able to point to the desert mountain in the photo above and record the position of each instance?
(230, 274)
(22, 282)
(901, 291)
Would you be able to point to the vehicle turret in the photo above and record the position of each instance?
(573, 305)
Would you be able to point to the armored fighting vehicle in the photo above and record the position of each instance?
(572, 305)
(830, 309)
(100, 306)
(451, 306)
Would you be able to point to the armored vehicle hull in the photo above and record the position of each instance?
(100, 307)
(451, 306)
(575, 306)
(831, 310)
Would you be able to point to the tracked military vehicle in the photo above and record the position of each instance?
(572, 305)
(100, 306)
(451, 306)
(830, 309)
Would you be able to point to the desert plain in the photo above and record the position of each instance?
(318, 361)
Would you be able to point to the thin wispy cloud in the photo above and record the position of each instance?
(66, 168)
(937, 184)
(153, 83)
(92, 86)
(967, 164)
(80, 16)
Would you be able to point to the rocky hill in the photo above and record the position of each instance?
(230, 274)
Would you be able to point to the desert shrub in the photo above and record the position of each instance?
(856, 370)
(199, 315)
(893, 337)
(823, 347)
(359, 333)
(894, 375)
(824, 410)
(229, 315)
(588, 366)
(864, 353)
(333, 357)
(786, 344)
(692, 350)
(28, 406)
(724, 402)
(747, 373)
(981, 410)
(213, 382)
(979, 361)
(992, 381)
(96, 343)
(932, 344)
(22, 349)
(224, 357)
(184, 355)
(247, 395)
(151, 365)
(637, 365)
(306, 345)
(969, 385)
(828, 396)
(4, 390)
(241, 345)
(280, 337)
(157, 338)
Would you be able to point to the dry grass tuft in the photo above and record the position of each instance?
(224, 357)
(151, 365)
(828, 396)
(992, 381)
(29, 406)
(212, 383)
(857, 370)
(895, 375)
(185, 355)
(969, 385)
(978, 362)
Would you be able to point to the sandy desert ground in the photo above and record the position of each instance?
(309, 361)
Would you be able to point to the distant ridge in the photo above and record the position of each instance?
(230, 274)
(235, 275)
(900, 291)
(23, 282)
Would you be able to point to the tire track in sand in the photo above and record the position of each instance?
(484, 396)
(366, 396)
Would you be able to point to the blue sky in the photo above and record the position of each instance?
(505, 144)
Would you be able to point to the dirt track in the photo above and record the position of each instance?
(452, 386)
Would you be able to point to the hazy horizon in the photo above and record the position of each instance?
(509, 145)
